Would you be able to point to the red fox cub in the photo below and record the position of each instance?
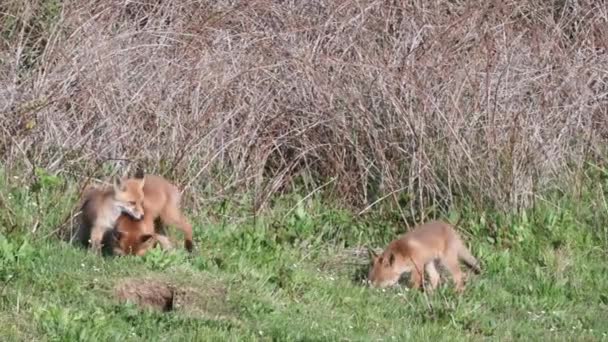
(129, 236)
(417, 251)
(149, 194)
(136, 237)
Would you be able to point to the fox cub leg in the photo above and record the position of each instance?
(172, 216)
(417, 275)
(431, 271)
(97, 233)
(451, 263)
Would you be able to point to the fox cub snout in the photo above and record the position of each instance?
(129, 196)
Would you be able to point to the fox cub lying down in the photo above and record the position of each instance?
(123, 216)
(416, 252)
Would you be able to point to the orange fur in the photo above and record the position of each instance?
(149, 194)
(136, 237)
(417, 251)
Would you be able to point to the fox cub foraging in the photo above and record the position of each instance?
(417, 251)
(142, 199)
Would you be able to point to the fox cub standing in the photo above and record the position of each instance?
(417, 251)
(149, 194)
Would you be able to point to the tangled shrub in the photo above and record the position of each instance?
(370, 99)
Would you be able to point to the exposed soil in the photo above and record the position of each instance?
(156, 295)
(210, 300)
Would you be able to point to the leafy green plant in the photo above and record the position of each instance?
(15, 256)
(45, 181)
(159, 259)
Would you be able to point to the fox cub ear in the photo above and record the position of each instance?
(139, 173)
(118, 184)
(140, 177)
(372, 255)
(145, 238)
(117, 235)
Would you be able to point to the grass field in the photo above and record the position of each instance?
(294, 273)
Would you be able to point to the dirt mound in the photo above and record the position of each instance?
(166, 295)
(156, 295)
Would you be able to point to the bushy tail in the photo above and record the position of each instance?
(463, 252)
(466, 256)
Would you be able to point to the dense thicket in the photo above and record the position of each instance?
(497, 100)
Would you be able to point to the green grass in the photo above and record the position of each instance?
(294, 275)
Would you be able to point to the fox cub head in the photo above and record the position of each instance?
(128, 238)
(384, 271)
(129, 195)
(132, 244)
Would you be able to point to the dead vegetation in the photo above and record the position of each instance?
(490, 99)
